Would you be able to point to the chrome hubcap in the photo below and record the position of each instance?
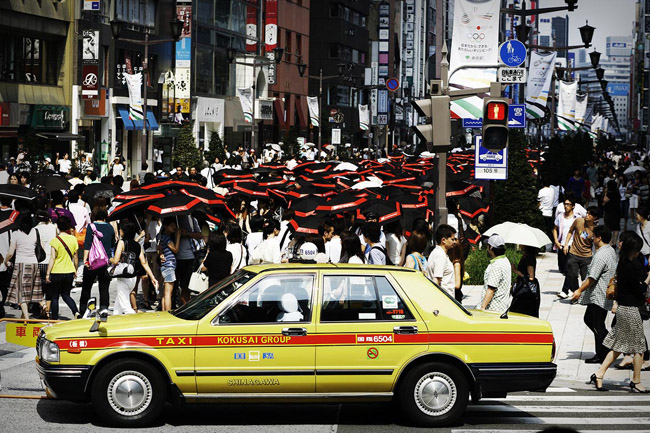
(129, 393)
(435, 394)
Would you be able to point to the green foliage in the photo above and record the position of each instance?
(290, 142)
(186, 154)
(478, 261)
(515, 199)
(216, 148)
(35, 147)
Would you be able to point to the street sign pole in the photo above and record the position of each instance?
(441, 188)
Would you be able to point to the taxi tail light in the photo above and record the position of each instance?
(553, 350)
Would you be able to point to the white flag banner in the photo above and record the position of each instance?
(245, 95)
(314, 112)
(475, 41)
(538, 86)
(581, 110)
(566, 106)
(134, 84)
(364, 117)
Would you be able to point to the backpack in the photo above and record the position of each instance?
(383, 251)
(97, 257)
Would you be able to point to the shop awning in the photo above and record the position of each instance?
(152, 123)
(124, 114)
(234, 115)
(279, 113)
(60, 136)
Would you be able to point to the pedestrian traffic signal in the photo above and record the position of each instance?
(436, 132)
(495, 124)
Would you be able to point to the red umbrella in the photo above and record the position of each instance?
(133, 206)
(175, 205)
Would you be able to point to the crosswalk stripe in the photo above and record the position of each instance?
(534, 431)
(621, 397)
(3, 337)
(25, 355)
(560, 409)
(558, 420)
(559, 389)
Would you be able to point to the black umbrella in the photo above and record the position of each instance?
(10, 220)
(209, 198)
(133, 206)
(176, 205)
(343, 202)
(306, 206)
(168, 185)
(50, 183)
(273, 182)
(386, 210)
(138, 193)
(307, 225)
(250, 190)
(17, 192)
(472, 206)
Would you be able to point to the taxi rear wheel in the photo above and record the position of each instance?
(129, 392)
(433, 394)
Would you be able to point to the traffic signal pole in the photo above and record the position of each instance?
(441, 189)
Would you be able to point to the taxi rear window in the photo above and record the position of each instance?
(361, 298)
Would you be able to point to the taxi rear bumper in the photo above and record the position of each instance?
(501, 378)
(65, 382)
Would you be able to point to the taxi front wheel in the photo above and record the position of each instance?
(433, 395)
(128, 393)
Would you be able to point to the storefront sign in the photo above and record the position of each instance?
(90, 81)
(96, 107)
(184, 53)
(90, 46)
(210, 110)
(265, 111)
(5, 113)
(50, 116)
(184, 13)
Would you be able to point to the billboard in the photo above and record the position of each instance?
(618, 89)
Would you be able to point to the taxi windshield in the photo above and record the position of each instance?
(201, 305)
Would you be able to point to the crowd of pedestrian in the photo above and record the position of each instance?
(601, 237)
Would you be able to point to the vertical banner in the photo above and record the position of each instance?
(271, 38)
(581, 111)
(90, 68)
(245, 96)
(251, 27)
(364, 117)
(538, 86)
(475, 42)
(179, 93)
(566, 106)
(134, 84)
(314, 112)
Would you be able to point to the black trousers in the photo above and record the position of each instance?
(575, 266)
(561, 261)
(184, 269)
(60, 286)
(5, 279)
(595, 320)
(89, 277)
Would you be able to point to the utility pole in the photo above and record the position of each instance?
(441, 189)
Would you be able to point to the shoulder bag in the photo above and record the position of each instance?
(199, 282)
(611, 289)
(38, 248)
(97, 257)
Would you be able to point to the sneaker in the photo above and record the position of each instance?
(562, 295)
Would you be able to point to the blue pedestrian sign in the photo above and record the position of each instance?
(472, 123)
(512, 53)
(490, 165)
(517, 116)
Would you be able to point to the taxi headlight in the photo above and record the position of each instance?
(49, 351)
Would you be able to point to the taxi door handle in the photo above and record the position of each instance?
(294, 332)
(405, 330)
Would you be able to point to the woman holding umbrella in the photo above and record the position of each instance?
(25, 286)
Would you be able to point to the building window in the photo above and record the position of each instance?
(141, 12)
(204, 69)
(287, 46)
(298, 45)
(30, 60)
(335, 10)
(333, 51)
(339, 96)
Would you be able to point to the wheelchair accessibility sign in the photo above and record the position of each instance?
(490, 165)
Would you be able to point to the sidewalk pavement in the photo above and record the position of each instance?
(575, 342)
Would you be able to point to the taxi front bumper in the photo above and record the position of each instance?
(502, 378)
(65, 382)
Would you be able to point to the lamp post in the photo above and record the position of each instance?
(302, 67)
(177, 29)
(231, 54)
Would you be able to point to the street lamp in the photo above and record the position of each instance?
(176, 30)
(231, 55)
(600, 73)
(586, 34)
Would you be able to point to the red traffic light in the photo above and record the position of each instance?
(496, 110)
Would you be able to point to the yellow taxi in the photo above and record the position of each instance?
(300, 333)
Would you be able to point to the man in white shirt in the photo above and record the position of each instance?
(440, 270)
(545, 197)
(64, 164)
